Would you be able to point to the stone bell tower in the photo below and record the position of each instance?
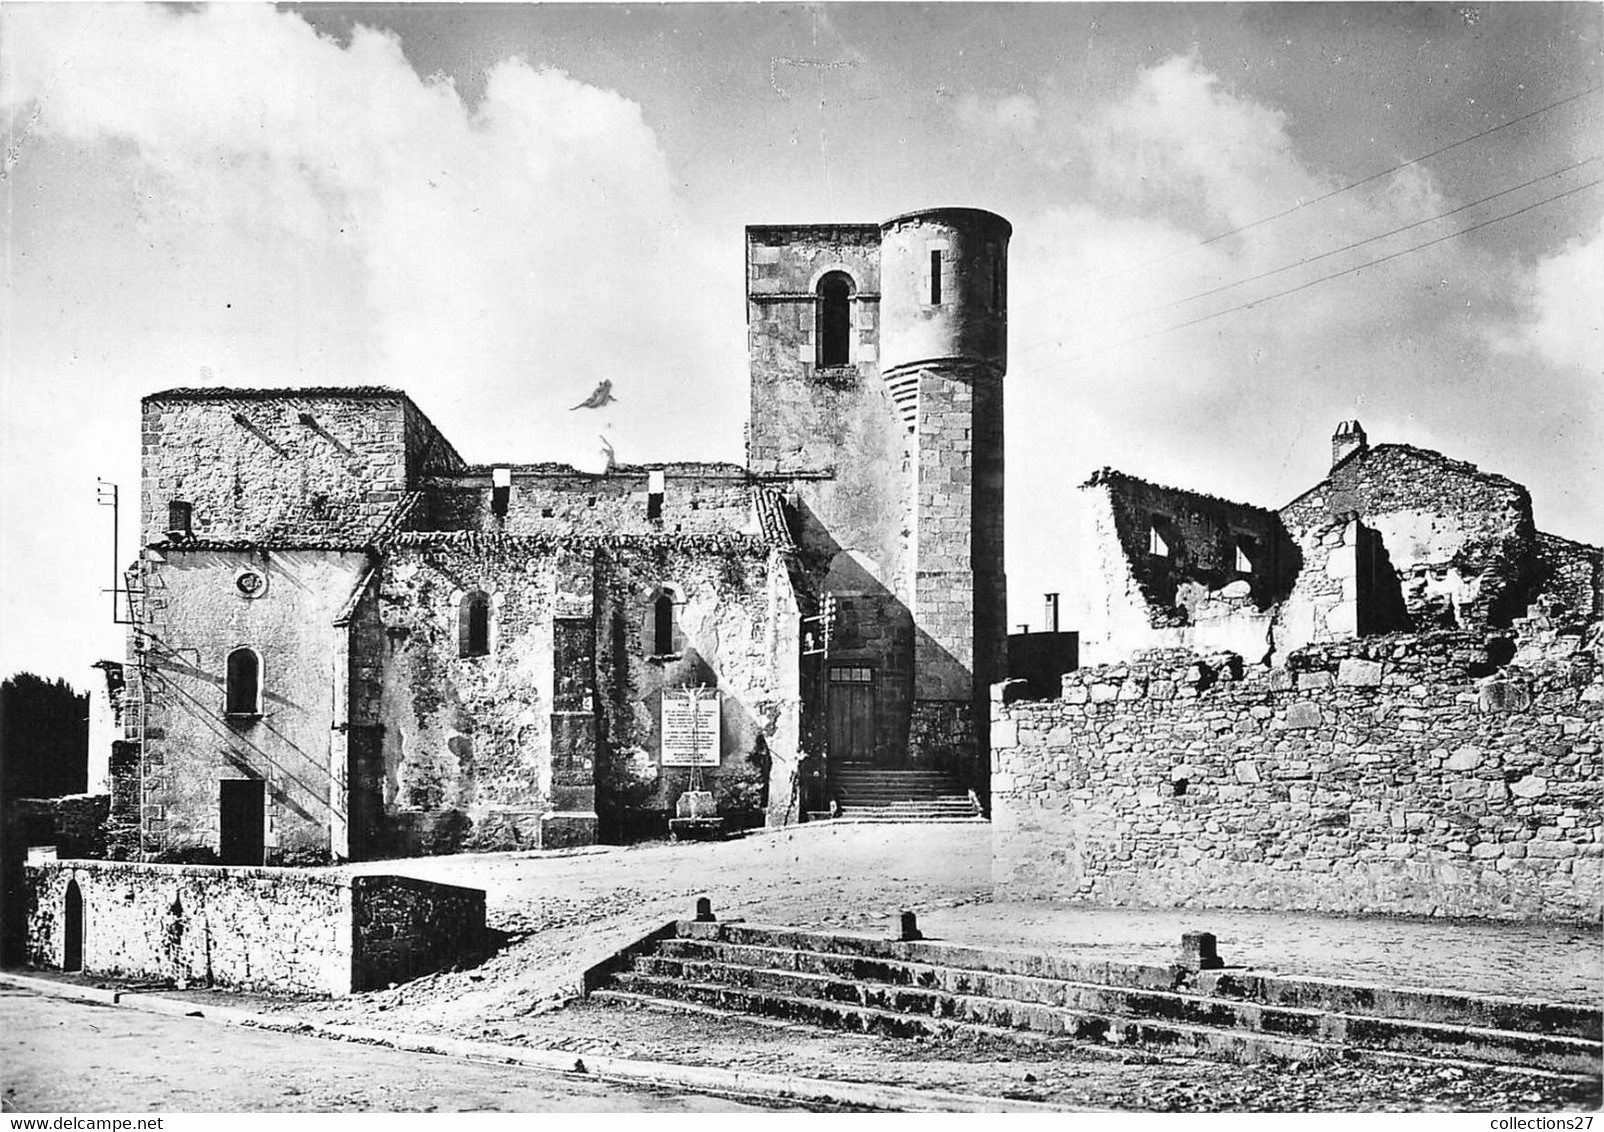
(943, 353)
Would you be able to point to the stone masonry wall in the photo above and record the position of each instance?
(1459, 539)
(1388, 774)
(697, 499)
(403, 928)
(305, 931)
(253, 468)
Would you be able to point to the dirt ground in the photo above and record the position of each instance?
(555, 914)
(61, 1056)
(560, 912)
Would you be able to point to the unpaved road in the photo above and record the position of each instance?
(65, 1057)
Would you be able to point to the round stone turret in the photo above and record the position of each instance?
(944, 289)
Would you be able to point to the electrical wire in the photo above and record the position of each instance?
(1316, 200)
(1323, 255)
(1312, 282)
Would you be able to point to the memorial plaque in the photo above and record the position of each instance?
(690, 728)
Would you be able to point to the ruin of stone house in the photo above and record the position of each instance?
(1386, 697)
(353, 642)
(1395, 539)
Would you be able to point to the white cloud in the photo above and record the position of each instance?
(221, 195)
(1564, 316)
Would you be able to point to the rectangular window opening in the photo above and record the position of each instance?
(179, 514)
(655, 487)
(935, 276)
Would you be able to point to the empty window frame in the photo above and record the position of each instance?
(935, 276)
(661, 622)
(473, 625)
(655, 488)
(833, 312)
(1157, 545)
(243, 694)
(1247, 551)
(180, 512)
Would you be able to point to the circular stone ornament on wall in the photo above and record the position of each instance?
(250, 582)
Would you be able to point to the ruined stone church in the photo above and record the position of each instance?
(351, 642)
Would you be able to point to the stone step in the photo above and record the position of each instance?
(999, 1019)
(923, 987)
(1014, 1001)
(1342, 996)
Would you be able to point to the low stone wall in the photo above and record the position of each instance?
(1390, 774)
(404, 928)
(306, 931)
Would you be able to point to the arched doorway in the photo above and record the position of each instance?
(72, 949)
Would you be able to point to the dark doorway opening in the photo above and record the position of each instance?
(241, 812)
(72, 950)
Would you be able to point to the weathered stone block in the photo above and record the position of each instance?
(1353, 672)
(1303, 714)
(1529, 787)
(1504, 695)
(1314, 680)
(1466, 758)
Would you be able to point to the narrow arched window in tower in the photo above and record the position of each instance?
(834, 330)
(663, 624)
(244, 694)
(473, 625)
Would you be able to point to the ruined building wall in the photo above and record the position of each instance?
(465, 739)
(557, 499)
(279, 465)
(1194, 595)
(1396, 774)
(1460, 540)
(197, 615)
(733, 632)
(1572, 574)
(560, 716)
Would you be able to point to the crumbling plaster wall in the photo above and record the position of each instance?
(734, 630)
(197, 616)
(1392, 774)
(466, 744)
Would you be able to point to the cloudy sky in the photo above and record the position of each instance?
(494, 207)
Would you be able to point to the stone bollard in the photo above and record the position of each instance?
(704, 911)
(910, 927)
(1197, 952)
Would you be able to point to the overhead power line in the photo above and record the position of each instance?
(1314, 201)
(1323, 255)
(1312, 282)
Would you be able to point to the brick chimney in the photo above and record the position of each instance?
(1349, 438)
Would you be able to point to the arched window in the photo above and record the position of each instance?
(473, 625)
(834, 330)
(244, 695)
(661, 623)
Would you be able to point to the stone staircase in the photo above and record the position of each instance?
(875, 794)
(922, 988)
